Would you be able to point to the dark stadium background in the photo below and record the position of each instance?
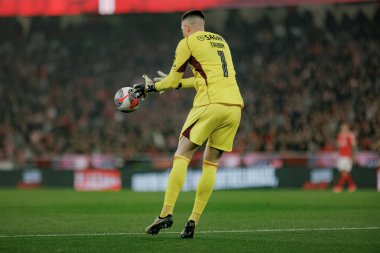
(76, 175)
(302, 70)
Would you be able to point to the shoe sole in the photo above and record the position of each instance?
(187, 233)
(154, 230)
(190, 236)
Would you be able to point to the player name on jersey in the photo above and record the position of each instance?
(217, 45)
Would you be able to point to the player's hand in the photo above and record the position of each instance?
(161, 75)
(141, 90)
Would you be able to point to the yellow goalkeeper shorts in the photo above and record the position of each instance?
(217, 123)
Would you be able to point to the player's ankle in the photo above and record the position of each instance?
(166, 210)
(195, 217)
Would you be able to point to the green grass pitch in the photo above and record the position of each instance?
(234, 221)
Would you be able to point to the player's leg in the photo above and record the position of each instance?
(205, 187)
(341, 180)
(220, 139)
(184, 153)
(351, 183)
(206, 182)
(344, 166)
(182, 157)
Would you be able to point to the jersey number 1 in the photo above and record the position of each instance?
(224, 63)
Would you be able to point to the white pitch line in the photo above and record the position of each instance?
(198, 232)
(288, 230)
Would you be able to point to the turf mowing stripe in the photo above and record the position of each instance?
(199, 232)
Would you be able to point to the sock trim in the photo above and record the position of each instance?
(182, 157)
(205, 162)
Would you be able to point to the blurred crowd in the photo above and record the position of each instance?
(298, 80)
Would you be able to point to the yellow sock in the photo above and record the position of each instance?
(204, 189)
(195, 217)
(176, 179)
(166, 210)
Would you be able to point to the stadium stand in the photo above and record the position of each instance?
(299, 80)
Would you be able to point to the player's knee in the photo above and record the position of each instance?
(212, 154)
(186, 148)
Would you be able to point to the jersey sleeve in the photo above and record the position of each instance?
(181, 59)
(187, 82)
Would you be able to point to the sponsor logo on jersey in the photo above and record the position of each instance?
(210, 37)
(201, 37)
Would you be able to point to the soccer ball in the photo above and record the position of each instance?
(126, 100)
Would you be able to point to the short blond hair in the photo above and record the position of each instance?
(193, 13)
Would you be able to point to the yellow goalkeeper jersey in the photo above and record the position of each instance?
(214, 75)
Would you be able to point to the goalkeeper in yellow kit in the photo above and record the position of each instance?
(215, 116)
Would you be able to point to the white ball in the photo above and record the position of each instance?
(126, 100)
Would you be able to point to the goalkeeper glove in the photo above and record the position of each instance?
(141, 90)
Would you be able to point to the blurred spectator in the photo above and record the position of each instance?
(299, 82)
